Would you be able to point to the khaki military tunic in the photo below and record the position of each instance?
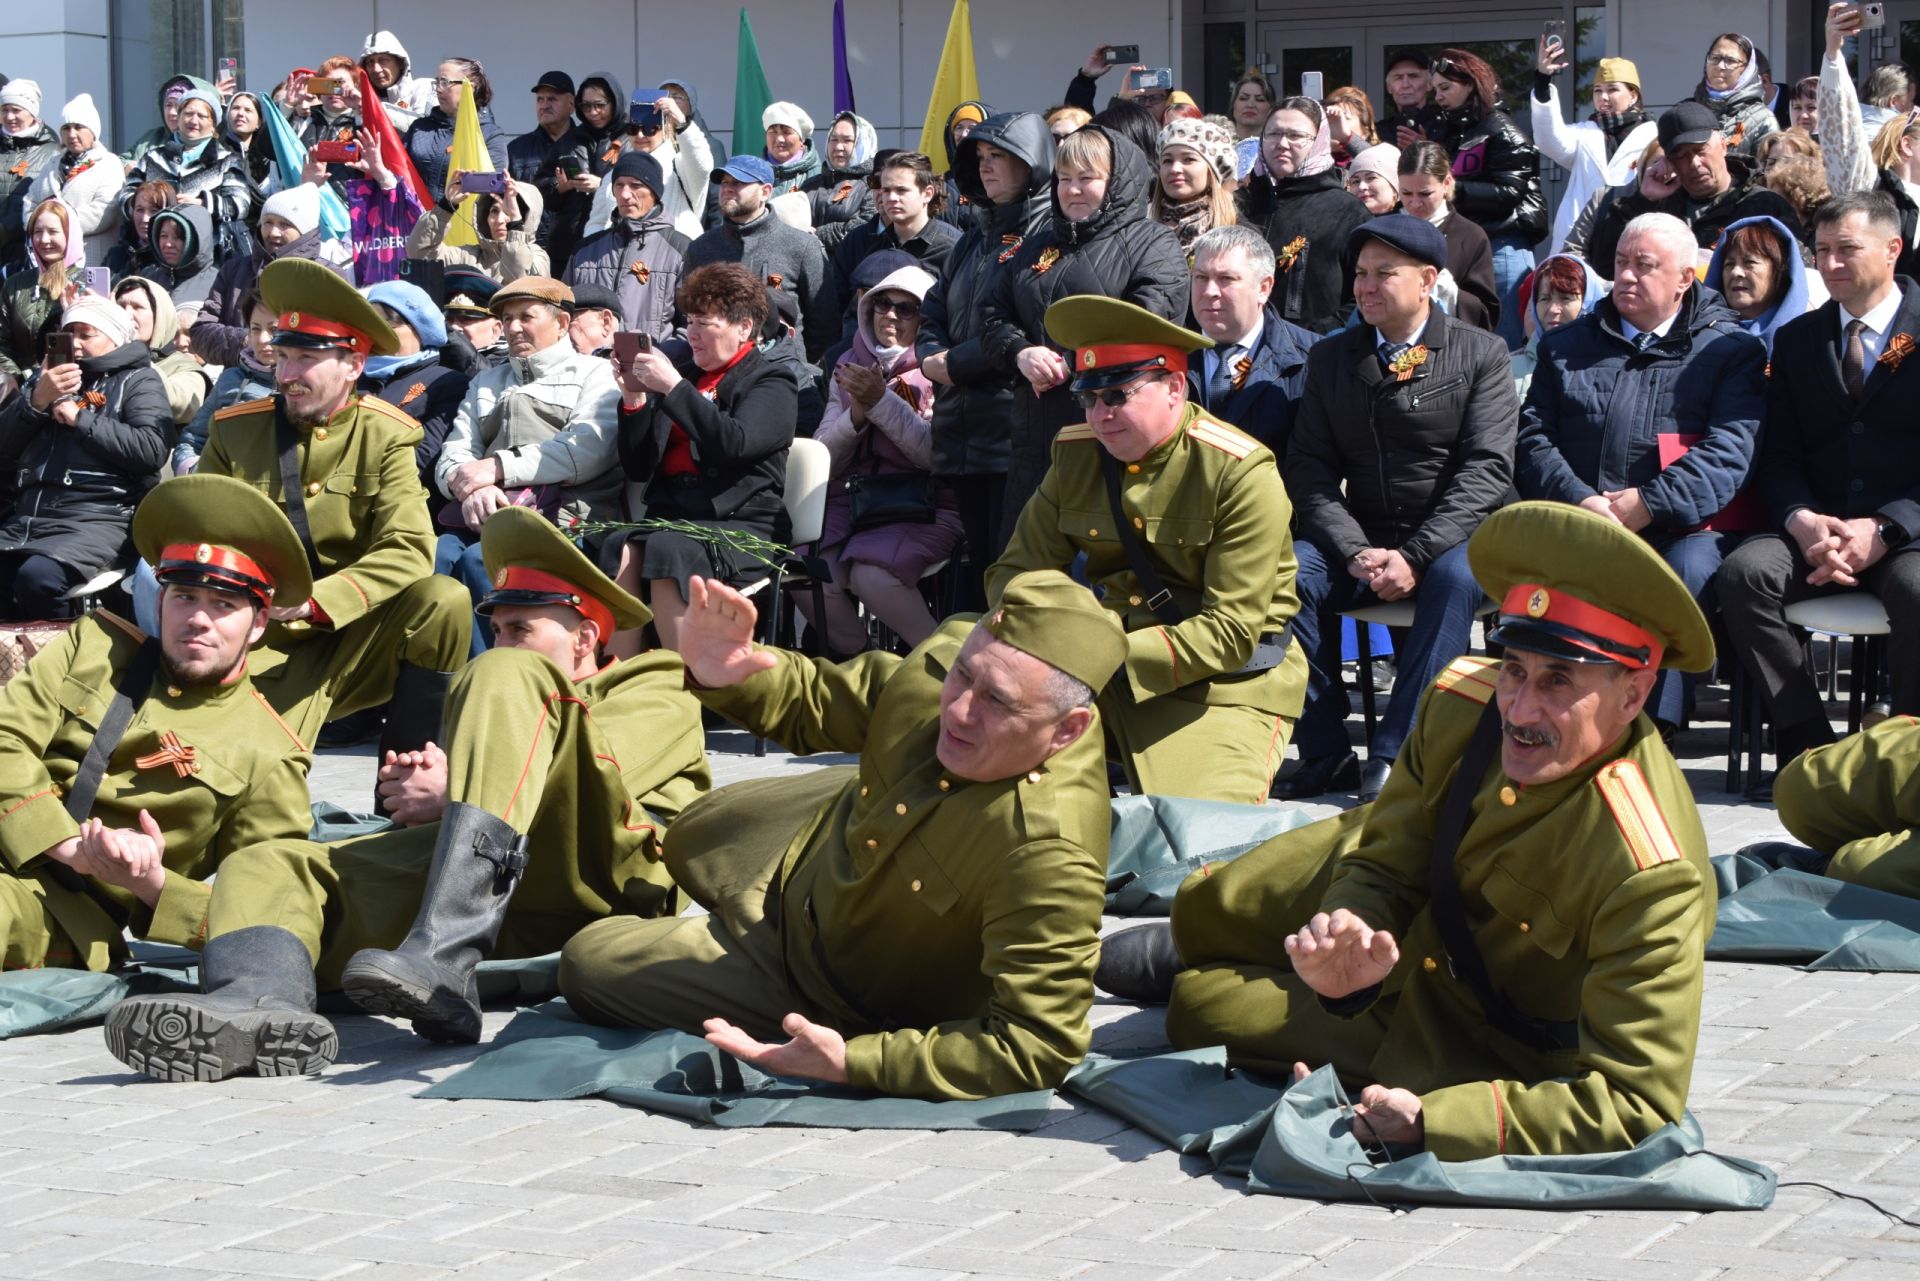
(1210, 508)
(213, 765)
(1859, 801)
(947, 928)
(373, 537)
(592, 772)
(1590, 900)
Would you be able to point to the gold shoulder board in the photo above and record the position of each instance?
(244, 407)
(1222, 437)
(1079, 431)
(394, 412)
(1648, 837)
(1468, 677)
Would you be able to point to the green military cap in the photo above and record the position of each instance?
(1576, 585)
(1112, 341)
(531, 562)
(215, 531)
(316, 308)
(1046, 614)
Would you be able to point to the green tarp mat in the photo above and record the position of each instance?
(1158, 841)
(1772, 909)
(1299, 1141)
(546, 1053)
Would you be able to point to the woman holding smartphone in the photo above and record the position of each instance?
(505, 222)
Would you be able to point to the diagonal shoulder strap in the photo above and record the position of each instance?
(127, 697)
(1449, 909)
(286, 442)
(1159, 599)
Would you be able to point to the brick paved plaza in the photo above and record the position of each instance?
(106, 1175)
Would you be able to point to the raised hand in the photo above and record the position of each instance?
(816, 1052)
(1340, 954)
(716, 635)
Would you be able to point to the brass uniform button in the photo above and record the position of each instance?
(1133, 469)
(1093, 533)
(901, 808)
(320, 433)
(313, 488)
(944, 785)
(1429, 965)
(1508, 796)
(863, 789)
(173, 691)
(872, 844)
(1033, 776)
(1138, 523)
(1133, 600)
(1525, 928)
(916, 885)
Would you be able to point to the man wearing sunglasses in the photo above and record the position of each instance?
(1184, 523)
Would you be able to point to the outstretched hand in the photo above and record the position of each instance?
(816, 1052)
(1341, 954)
(716, 635)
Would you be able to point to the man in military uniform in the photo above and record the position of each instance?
(545, 813)
(1856, 802)
(132, 766)
(1507, 950)
(924, 925)
(476, 340)
(1184, 523)
(378, 624)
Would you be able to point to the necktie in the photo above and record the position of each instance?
(1645, 339)
(1853, 361)
(1392, 351)
(1220, 386)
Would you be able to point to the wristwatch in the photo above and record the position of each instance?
(1891, 534)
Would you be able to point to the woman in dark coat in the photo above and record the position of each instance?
(81, 445)
(430, 138)
(183, 259)
(1100, 240)
(706, 436)
(1297, 198)
(1496, 174)
(1012, 198)
(1427, 189)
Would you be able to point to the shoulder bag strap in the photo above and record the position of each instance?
(1159, 599)
(286, 442)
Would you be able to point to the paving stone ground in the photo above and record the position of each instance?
(106, 1176)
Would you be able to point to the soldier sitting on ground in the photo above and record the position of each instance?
(1554, 899)
(545, 812)
(924, 925)
(132, 766)
(1856, 802)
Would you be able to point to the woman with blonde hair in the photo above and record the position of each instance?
(1350, 123)
(1064, 119)
(1193, 189)
(32, 298)
(657, 123)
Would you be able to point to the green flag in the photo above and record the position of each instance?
(751, 96)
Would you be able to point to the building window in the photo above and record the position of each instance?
(1223, 58)
(1589, 46)
(151, 41)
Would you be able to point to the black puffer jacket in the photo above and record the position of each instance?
(1414, 465)
(971, 418)
(962, 209)
(1496, 174)
(1118, 252)
(1307, 221)
(76, 487)
(839, 195)
(430, 142)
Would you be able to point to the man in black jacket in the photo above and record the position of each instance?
(552, 157)
(1257, 368)
(1712, 190)
(1402, 446)
(1839, 471)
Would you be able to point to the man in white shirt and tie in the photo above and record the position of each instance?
(1839, 471)
(1253, 375)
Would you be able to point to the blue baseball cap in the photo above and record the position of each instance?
(748, 169)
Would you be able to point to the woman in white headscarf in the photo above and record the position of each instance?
(1730, 84)
(86, 178)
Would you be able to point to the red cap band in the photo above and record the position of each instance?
(221, 560)
(1541, 604)
(1111, 354)
(518, 578)
(305, 322)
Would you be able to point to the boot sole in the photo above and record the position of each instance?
(378, 991)
(177, 1040)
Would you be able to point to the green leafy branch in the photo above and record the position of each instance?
(753, 546)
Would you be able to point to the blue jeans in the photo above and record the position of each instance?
(1512, 260)
(145, 590)
(457, 555)
(1696, 559)
(1444, 604)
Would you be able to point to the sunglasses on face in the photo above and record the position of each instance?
(1111, 397)
(902, 307)
(645, 131)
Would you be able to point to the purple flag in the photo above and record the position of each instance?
(842, 79)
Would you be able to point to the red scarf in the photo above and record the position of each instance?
(678, 460)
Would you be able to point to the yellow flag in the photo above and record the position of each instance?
(956, 82)
(470, 156)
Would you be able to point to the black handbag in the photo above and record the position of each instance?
(887, 498)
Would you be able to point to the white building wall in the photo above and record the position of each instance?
(1026, 51)
(61, 45)
(1668, 41)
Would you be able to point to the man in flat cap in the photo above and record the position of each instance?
(541, 430)
(1184, 523)
(544, 813)
(1506, 949)
(377, 627)
(922, 925)
(132, 766)
(1402, 446)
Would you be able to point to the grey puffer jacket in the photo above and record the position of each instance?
(1744, 118)
(971, 418)
(641, 263)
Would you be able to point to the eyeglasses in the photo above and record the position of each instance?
(1281, 135)
(1722, 61)
(1112, 397)
(441, 82)
(902, 307)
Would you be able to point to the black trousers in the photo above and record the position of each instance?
(1763, 576)
(34, 586)
(981, 500)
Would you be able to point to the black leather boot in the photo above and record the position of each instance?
(429, 977)
(1139, 964)
(1318, 775)
(415, 713)
(255, 1012)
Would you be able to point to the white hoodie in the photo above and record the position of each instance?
(410, 93)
